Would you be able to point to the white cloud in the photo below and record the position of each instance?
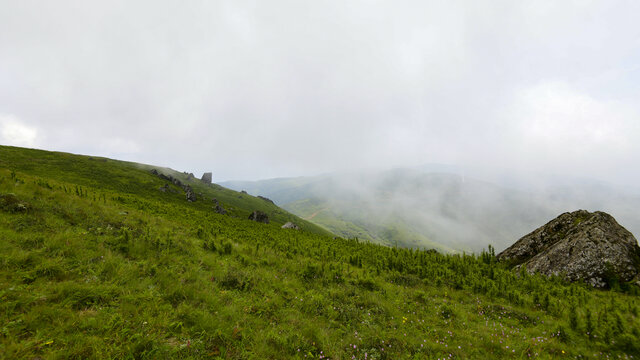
(15, 132)
(263, 89)
(119, 146)
(557, 127)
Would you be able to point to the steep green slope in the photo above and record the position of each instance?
(132, 178)
(95, 266)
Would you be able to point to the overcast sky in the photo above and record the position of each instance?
(259, 89)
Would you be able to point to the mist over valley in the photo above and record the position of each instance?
(427, 207)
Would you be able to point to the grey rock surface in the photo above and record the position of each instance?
(191, 196)
(580, 246)
(290, 225)
(259, 216)
(11, 203)
(266, 199)
(206, 178)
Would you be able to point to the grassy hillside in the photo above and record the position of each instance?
(120, 178)
(95, 262)
(351, 219)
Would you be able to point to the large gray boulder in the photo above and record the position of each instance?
(580, 246)
(206, 178)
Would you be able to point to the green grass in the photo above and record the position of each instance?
(117, 269)
(390, 232)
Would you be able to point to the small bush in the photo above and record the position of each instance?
(236, 279)
(209, 245)
(367, 283)
(310, 272)
(225, 248)
(447, 312)
(561, 333)
(628, 343)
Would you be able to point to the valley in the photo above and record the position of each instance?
(427, 208)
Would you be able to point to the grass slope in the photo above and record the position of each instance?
(95, 266)
(127, 178)
(348, 222)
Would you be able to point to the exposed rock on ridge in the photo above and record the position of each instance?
(579, 246)
(259, 216)
(290, 225)
(266, 199)
(191, 196)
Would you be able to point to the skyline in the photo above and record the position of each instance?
(251, 90)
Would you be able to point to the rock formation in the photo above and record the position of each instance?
(259, 216)
(191, 196)
(11, 203)
(217, 207)
(580, 245)
(290, 225)
(266, 199)
(206, 178)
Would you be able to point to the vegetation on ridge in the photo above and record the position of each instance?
(95, 266)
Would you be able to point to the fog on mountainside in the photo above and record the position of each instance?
(449, 211)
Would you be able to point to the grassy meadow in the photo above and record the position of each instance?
(96, 262)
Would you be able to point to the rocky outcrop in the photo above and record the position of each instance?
(290, 225)
(266, 199)
(191, 196)
(11, 203)
(259, 216)
(580, 246)
(206, 178)
(218, 208)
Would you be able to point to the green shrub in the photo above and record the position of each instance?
(236, 279)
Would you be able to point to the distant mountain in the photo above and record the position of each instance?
(426, 208)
